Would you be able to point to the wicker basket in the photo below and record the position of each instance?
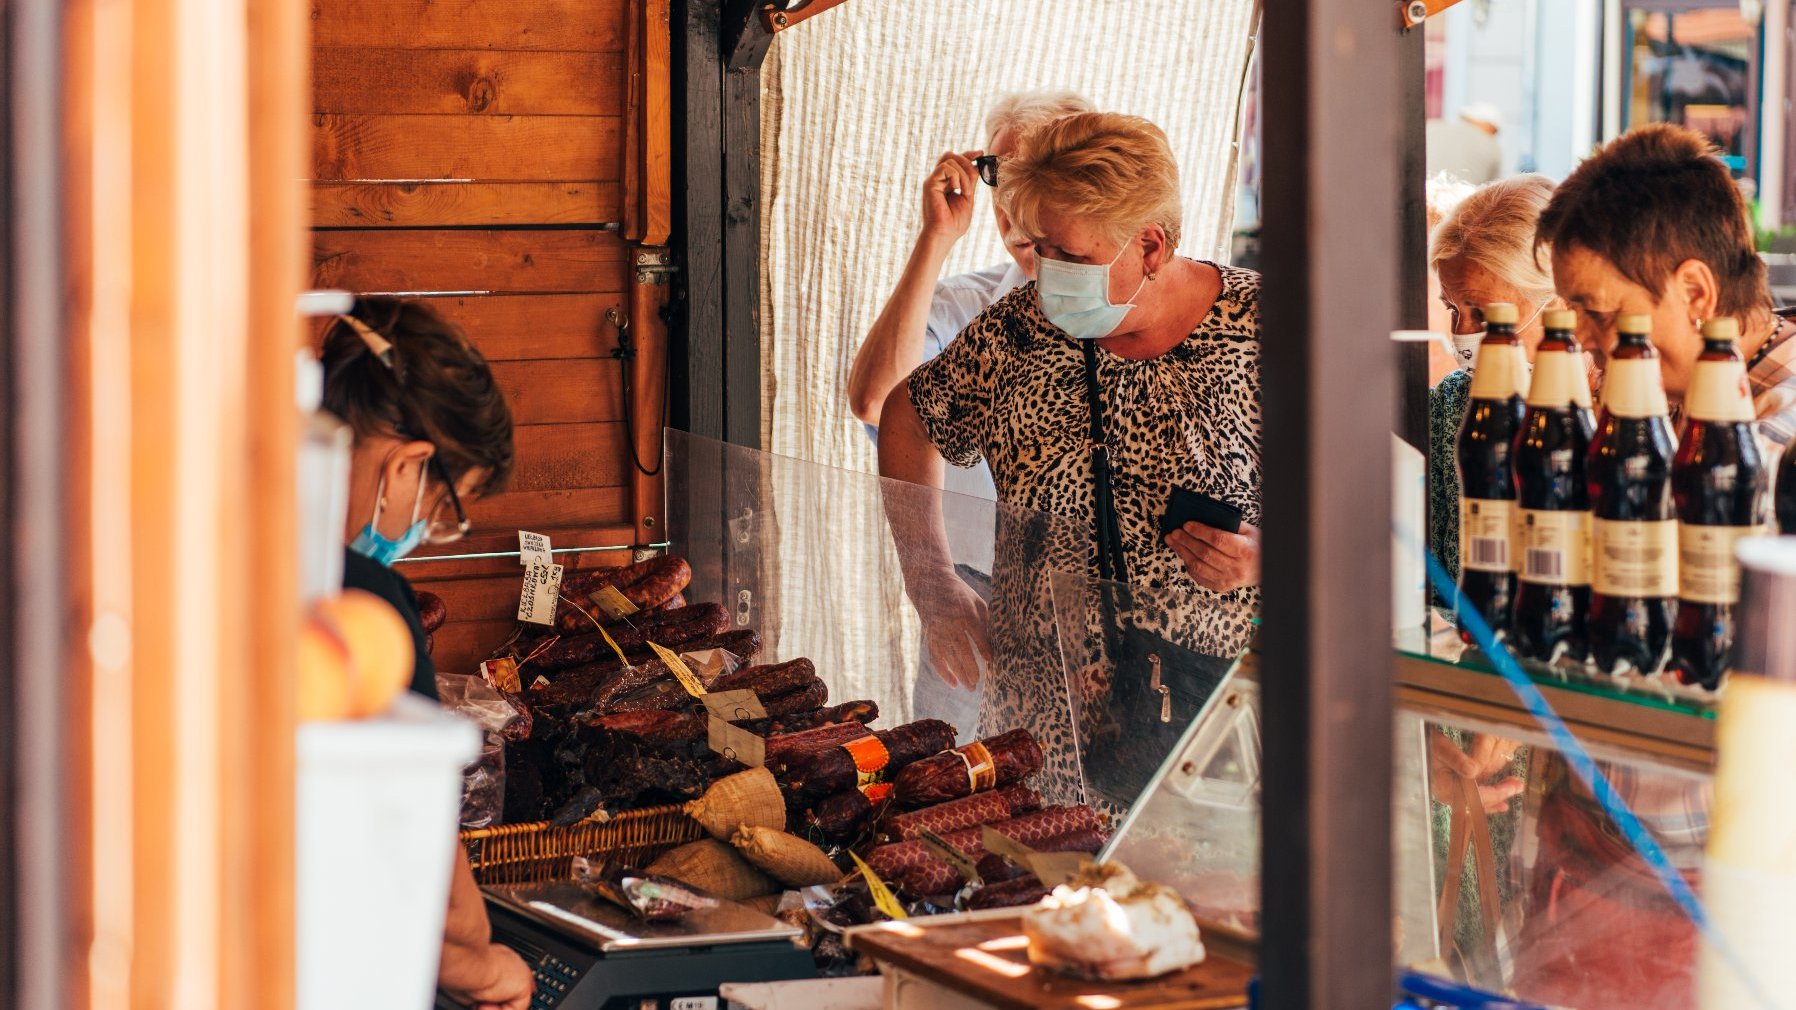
(537, 852)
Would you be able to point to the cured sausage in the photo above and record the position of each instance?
(431, 611)
(1009, 894)
(646, 584)
(768, 680)
(806, 699)
(890, 861)
(966, 812)
(847, 713)
(667, 627)
(790, 750)
(975, 768)
(870, 760)
(655, 726)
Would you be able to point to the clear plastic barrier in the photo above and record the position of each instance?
(832, 565)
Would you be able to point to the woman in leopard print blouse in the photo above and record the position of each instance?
(1177, 364)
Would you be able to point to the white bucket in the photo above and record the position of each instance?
(378, 806)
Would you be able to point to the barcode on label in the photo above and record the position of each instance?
(1491, 551)
(1541, 564)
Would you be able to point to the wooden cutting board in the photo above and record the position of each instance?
(988, 960)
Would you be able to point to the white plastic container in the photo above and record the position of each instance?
(378, 805)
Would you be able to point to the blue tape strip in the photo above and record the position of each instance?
(1586, 769)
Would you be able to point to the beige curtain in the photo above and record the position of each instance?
(858, 103)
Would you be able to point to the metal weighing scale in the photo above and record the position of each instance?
(588, 954)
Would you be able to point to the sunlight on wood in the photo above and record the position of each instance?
(991, 962)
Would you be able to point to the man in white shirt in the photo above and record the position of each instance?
(923, 313)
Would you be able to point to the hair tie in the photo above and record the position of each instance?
(380, 346)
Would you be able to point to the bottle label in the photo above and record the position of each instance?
(1502, 372)
(1558, 377)
(1635, 558)
(1708, 572)
(1555, 547)
(1633, 387)
(1718, 392)
(1485, 528)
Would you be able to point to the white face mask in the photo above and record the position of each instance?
(1076, 296)
(1465, 345)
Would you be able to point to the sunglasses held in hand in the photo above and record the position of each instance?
(987, 167)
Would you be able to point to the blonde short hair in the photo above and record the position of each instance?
(1114, 168)
(1022, 111)
(1494, 228)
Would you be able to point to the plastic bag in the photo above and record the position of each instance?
(483, 781)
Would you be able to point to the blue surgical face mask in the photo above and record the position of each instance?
(372, 544)
(1076, 296)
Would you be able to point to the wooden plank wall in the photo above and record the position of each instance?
(482, 156)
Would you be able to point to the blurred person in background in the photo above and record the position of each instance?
(1466, 146)
(1482, 252)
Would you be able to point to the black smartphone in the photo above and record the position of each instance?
(1187, 506)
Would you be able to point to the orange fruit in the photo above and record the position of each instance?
(380, 648)
(325, 673)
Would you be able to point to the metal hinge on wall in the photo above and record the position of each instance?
(654, 266)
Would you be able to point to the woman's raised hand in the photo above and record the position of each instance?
(948, 196)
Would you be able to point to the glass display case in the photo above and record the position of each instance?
(833, 565)
(1510, 875)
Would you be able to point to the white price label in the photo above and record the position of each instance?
(694, 1003)
(533, 549)
(542, 584)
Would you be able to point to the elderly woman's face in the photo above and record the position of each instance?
(1600, 294)
(1019, 247)
(1073, 239)
(1466, 287)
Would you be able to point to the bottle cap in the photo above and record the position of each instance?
(1634, 322)
(1721, 328)
(1559, 319)
(1501, 313)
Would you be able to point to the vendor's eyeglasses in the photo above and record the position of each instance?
(987, 167)
(448, 520)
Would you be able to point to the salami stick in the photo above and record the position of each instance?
(870, 760)
(668, 627)
(889, 861)
(769, 680)
(849, 713)
(977, 767)
(937, 877)
(806, 699)
(966, 812)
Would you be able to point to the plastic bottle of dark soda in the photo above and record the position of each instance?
(1553, 586)
(1487, 512)
(1719, 482)
(1634, 530)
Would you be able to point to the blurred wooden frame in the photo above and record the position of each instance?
(184, 140)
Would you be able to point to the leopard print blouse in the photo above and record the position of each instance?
(1010, 389)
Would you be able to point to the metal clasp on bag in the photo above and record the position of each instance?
(1165, 693)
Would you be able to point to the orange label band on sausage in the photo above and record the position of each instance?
(870, 759)
(877, 792)
(982, 773)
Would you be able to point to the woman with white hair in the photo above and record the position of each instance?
(923, 313)
(1482, 252)
(1124, 374)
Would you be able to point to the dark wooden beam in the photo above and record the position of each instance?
(715, 339)
(1331, 256)
(1412, 209)
(745, 34)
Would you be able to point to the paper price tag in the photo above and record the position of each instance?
(734, 706)
(735, 743)
(533, 549)
(963, 864)
(882, 895)
(613, 603)
(1051, 868)
(502, 674)
(680, 670)
(542, 585)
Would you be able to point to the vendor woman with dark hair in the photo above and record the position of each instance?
(432, 433)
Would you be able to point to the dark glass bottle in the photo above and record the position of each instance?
(1718, 480)
(1634, 538)
(1552, 593)
(1487, 510)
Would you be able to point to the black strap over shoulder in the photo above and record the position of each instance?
(1109, 534)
